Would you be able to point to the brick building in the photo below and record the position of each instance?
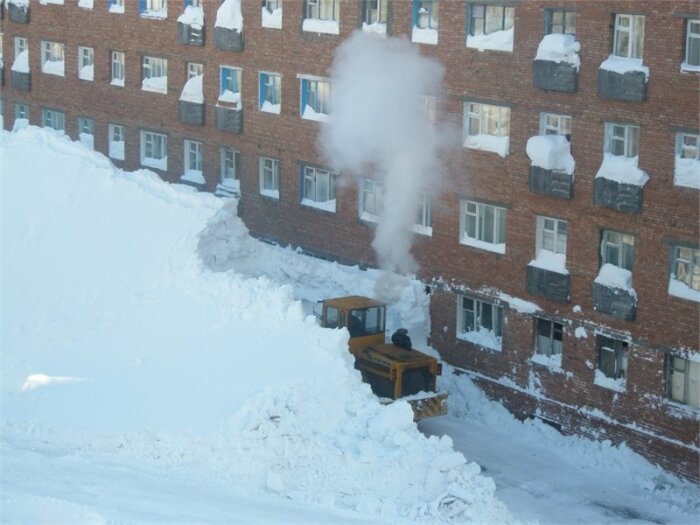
(571, 294)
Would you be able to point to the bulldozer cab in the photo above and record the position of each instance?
(364, 318)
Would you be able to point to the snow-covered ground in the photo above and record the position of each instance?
(157, 368)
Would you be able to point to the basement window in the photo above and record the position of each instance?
(53, 119)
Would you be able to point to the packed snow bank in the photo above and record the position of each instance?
(184, 366)
(551, 152)
(557, 47)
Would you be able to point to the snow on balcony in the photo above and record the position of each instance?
(229, 15)
(192, 16)
(551, 152)
(624, 65)
(623, 170)
(193, 90)
(272, 19)
(559, 48)
(492, 143)
(613, 276)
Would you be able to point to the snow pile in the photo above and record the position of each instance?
(21, 64)
(611, 383)
(155, 84)
(315, 25)
(558, 47)
(378, 28)
(492, 143)
(193, 17)
(269, 107)
(47, 2)
(87, 72)
(687, 173)
(54, 67)
(202, 374)
(615, 277)
(376, 127)
(550, 261)
(482, 337)
(622, 169)
(311, 114)
(87, 140)
(116, 149)
(551, 152)
(519, 305)
(20, 3)
(272, 19)
(193, 91)
(229, 15)
(497, 41)
(624, 65)
(679, 288)
(482, 245)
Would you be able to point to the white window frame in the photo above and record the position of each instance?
(86, 58)
(686, 266)
(269, 170)
(625, 134)
(21, 111)
(375, 12)
(683, 381)
(552, 235)
(50, 52)
(620, 351)
(477, 212)
(371, 200)
(118, 68)
(555, 124)
(21, 45)
(623, 243)
(629, 36)
(489, 120)
(692, 32)
(684, 151)
(427, 15)
(192, 156)
(548, 344)
(328, 10)
(471, 326)
(116, 131)
(53, 119)
(158, 143)
(194, 69)
(154, 67)
(155, 9)
(317, 91)
(484, 12)
(318, 188)
(227, 174)
(86, 126)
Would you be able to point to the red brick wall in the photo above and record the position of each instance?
(669, 213)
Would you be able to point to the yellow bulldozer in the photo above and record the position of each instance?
(393, 370)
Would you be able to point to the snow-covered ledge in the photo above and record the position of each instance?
(194, 178)
(272, 20)
(18, 11)
(482, 245)
(86, 4)
(190, 26)
(492, 143)
(328, 205)
(618, 183)
(556, 64)
(316, 25)
(687, 173)
(497, 41)
(678, 288)
(600, 379)
(613, 293)
(483, 338)
(376, 28)
(623, 79)
(548, 277)
(228, 27)
(159, 14)
(192, 101)
(421, 35)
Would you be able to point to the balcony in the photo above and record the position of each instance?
(550, 182)
(18, 12)
(190, 27)
(552, 166)
(21, 81)
(623, 79)
(555, 68)
(619, 183)
(191, 113)
(228, 39)
(548, 283)
(228, 119)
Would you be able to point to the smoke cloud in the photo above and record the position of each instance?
(379, 129)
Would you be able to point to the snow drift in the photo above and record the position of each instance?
(181, 366)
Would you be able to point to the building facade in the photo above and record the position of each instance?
(570, 292)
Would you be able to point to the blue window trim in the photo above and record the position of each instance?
(414, 11)
(224, 73)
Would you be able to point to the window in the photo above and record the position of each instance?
(684, 381)
(371, 200)
(548, 338)
(375, 12)
(315, 99)
(687, 167)
(230, 85)
(554, 124)
(621, 140)
(117, 141)
(612, 359)
(53, 119)
(629, 36)
(193, 156)
(21, 111)
(229, 162)
(52, 58)
(426, 14)
(551, 242)
(617, 249)
(154, 150)
(480, 322)
(153, 8)
(424, 215)
(270, 177)
(116, 6)
(692, 46)
(560, 21)
(483, 226)
(21, 46)
(487, 19)
(86, 56)
(686, 266)
(270, 92)
(155, 74)
(366, 321)
(318, 188)
(272, 14)
(117, 68)
(430, 108)
(487, 127)
(86, 132)
(194, 70)
(323, 9)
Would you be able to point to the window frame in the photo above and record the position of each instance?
(635, 36)
(629, 139)
(318, 100)
(689, 35)
(479, 218)
(269, 83)
(274, 175)
(566, 14)
(49, 114)
(691, 263)
(625, 255)
(147, 140)
(381, 7)
(111, 128)
(150, 65)
(484, 8)
(194, 69)
(193, 151)
(551, 348)
(223, 167)
(230, 76)
(310, 176)
(117, 65)
(21, 45)
(620, 350)
(316, 8)
(543, 232)
(432, 10)
(563, 123)
(474, 317)
(49, 53)
(81, 62)
(672, 370)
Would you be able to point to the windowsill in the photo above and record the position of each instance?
(481, 245)
(687, 68)
(424, 36)
(193, 176)
(681, 290)
(116, 154)
(315, 25)
(57, 70)
(601, 380)
(155, 15)
(155, 85)
(551, 362)
(117, 83)
(266, 107)
(687, 173)
(493, 143)
(327, 206)
(551, 262)
(501, 40)
(117, 9)
(310, 114)
(482, 339)
(421, 229)
(158, 164)
(377, 28)
(270, 194)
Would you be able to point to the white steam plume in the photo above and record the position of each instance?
(379, 129)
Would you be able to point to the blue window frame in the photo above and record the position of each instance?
(270, 89)
(425, 14)
(230, 80)
(316, 94)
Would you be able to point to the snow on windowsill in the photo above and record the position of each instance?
(272, 194)
(194, 176)
(54, 67)
(519, 305)
(159, 164)
(233, 185)
(482, 245)
(688, 68)
(553, 362)
(490, 143)
(48, 2)
(687, 173)
(20, 123)
(369, 217)
(117, 82)
(160, 14)
(678, 288)
(21, 64)
(272, 20)
(114, 8)
(310, 114)
(229, 15)
(424, 36)
(624, 65)
(482, 338)
(618, 385)
(551, 152)
(267, 107)
(421, 229)
(86, 4)
(87, 73)
(683, 410)
(155, 84)
(229, 97)
(377, 28)
(315, 25)
(87, 140)
(622, 169)
(558, 47)
(193, 17)
(116, 150)
(19, 2)
(328, 206)
(615, 277)
(193, 90)
(497, 41)
(550, 261)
